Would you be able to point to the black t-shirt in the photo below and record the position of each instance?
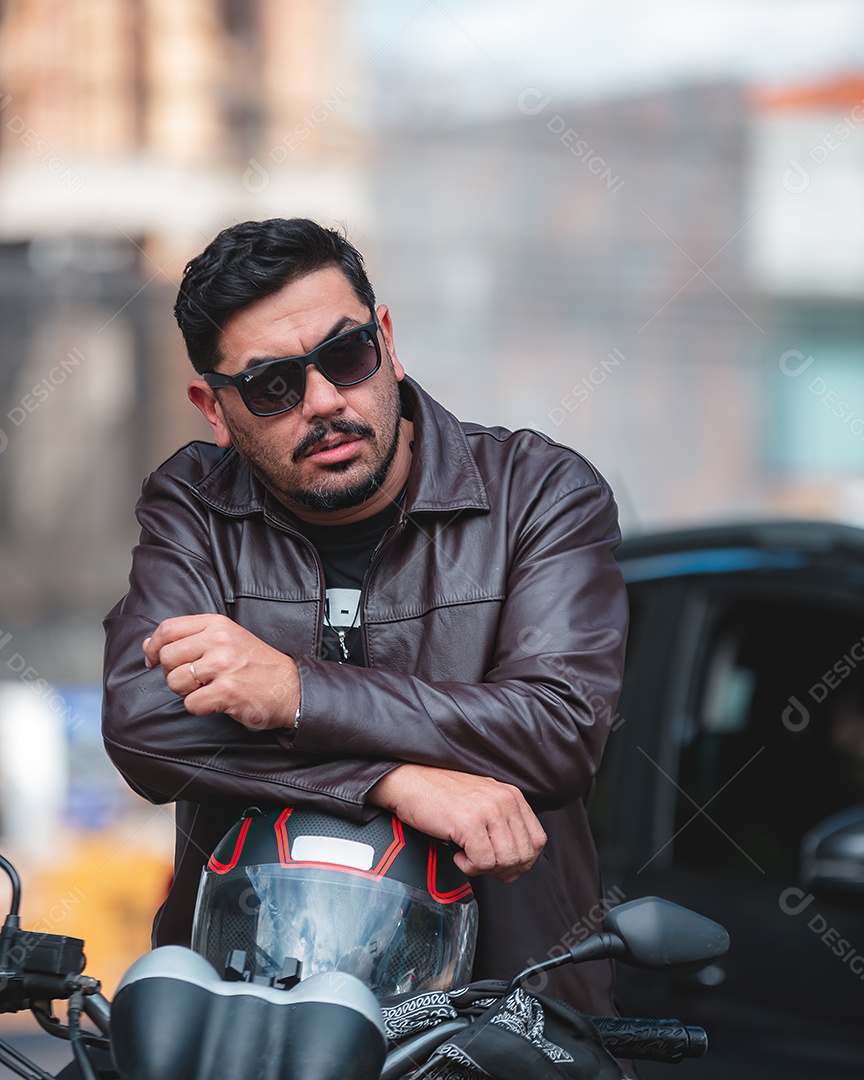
(346, 552)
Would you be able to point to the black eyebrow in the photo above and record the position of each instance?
(345, 323)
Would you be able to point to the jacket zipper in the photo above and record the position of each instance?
(319, 570)
(393, 530)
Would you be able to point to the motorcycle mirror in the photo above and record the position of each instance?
(648, 932)
(658, 933)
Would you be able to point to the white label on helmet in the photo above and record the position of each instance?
(333, 849)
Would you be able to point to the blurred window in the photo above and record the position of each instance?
(819, 415)
(776, 735)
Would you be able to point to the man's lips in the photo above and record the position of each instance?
(339, 448)
(325, 439)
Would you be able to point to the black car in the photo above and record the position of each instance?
(733, 783)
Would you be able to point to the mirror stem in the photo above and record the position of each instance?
(597, 947)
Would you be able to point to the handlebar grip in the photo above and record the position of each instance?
(650, 1040)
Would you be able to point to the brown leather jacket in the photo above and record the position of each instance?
(494, 619)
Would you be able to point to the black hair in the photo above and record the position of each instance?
(249, 261)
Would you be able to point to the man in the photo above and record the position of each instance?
(352, 600)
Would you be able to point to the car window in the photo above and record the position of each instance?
(774, 737)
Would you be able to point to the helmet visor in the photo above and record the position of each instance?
(395, 938)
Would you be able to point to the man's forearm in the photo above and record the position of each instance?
(491, 823)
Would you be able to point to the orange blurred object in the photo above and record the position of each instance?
(104, 889)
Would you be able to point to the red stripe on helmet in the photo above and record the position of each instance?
(282, 840)
(223, 868)
(390, 854)
(432, 876)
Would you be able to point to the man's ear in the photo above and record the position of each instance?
(386, 324)
(204, 399)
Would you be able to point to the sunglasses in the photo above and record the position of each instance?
(278, 385)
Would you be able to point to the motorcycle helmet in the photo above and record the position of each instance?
(377, 900)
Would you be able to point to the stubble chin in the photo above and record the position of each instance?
(329, 496)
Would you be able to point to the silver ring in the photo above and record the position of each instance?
(194, 676)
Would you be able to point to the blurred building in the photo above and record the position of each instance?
(131, 131)
(563, 283)
(806, 178)
(636, 276)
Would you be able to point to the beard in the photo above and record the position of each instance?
(326, 497)
(327, 494)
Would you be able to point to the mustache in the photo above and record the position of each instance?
(318, 434)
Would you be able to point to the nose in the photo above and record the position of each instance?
(321, 398)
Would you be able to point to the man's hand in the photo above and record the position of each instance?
(217, 666)
(491, 822)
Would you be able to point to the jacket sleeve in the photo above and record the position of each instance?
(540, 718)
(164, 752)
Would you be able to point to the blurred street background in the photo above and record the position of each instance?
(636, 227)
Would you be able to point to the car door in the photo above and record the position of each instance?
(741, 729)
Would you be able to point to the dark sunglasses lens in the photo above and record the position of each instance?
(276, 389)
(351, 359)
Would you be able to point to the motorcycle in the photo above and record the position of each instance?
(174, 1016)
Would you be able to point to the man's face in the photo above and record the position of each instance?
(333, 449)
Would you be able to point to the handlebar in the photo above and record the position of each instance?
(668, 1041)
(650, 1040)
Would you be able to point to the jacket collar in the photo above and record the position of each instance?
(444, 477)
